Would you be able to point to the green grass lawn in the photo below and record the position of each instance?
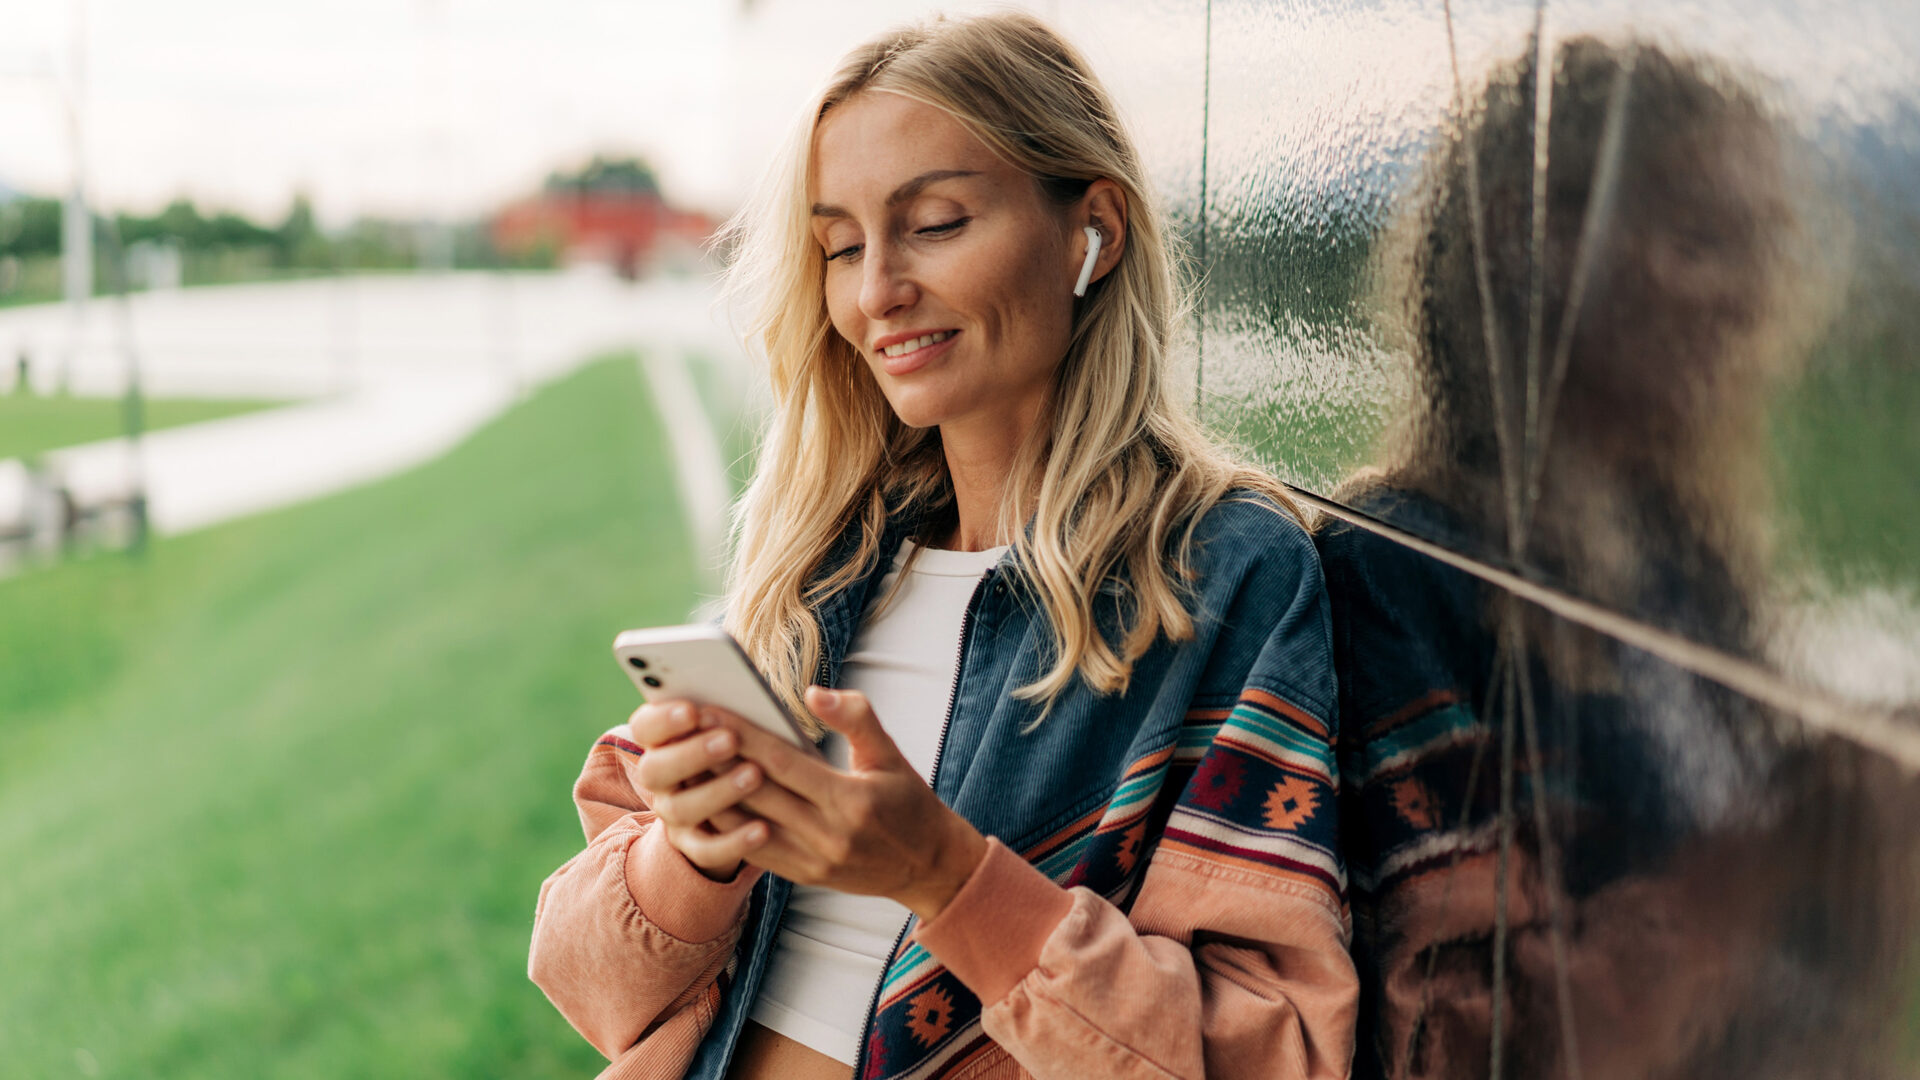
(276, 801)
(30, 424)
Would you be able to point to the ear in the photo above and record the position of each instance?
(1104, 207)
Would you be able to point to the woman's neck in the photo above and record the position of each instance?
(980, 460)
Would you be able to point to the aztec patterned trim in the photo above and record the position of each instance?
(1435, 851)
(1262, 798)
(1441, 728)
(1407, 778)
(1412, 710)
(927, 1023)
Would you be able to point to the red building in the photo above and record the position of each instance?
(610, 213)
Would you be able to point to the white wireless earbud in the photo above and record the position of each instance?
(1086, 268)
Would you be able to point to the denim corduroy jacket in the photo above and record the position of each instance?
(1162, 895)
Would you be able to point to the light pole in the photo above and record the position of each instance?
(76, 224)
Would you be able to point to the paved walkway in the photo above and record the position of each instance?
(700, 465)
(388, 372)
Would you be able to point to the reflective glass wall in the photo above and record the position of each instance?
(1592, 334)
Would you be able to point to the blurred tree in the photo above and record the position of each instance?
(181, 220)
(627, 175)
(300, 242)
(30, 226)
(228, 229)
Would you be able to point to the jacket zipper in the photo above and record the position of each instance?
(939, 758)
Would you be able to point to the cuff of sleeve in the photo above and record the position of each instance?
(991, 932)
(676, 897)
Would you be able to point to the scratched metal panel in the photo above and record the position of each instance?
(1680, 382)
(1645, 336)
(1699, 884)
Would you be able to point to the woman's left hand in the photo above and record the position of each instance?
(876, 829)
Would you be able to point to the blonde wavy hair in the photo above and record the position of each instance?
(1112, 481)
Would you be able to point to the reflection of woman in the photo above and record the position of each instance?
(1650, 936)
(1628, 430)
(983, 518)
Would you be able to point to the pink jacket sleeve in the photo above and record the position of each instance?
(1218, 972)
(629, 939)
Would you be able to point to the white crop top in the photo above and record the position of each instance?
(832, 946)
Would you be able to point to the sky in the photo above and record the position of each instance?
(444, 109)
(416, 108)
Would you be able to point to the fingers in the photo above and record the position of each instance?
(804, 773)
(657, 723)
(792, 814)
(851, 714)
(664, 767)
(692, 806)
(719, 854)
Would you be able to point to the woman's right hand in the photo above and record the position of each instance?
(694, 782)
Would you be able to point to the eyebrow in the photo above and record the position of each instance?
(902, 193)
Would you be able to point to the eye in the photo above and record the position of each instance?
(936, 230)
(849, 250)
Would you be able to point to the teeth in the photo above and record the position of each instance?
(920, 342)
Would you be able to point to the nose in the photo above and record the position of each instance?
(886, 282)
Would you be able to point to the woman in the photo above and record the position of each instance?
(1095, 834)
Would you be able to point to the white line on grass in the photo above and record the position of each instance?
(699, 464)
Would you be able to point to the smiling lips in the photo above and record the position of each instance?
(902, 354)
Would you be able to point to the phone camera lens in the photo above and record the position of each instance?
(650, 681)
(638, 664)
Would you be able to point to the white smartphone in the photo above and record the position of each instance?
(702, 663)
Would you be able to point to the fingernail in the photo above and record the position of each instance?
(683, 713)
(829, 699)
(743, 779)
(719, 743)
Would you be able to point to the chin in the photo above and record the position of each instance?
(919, 410)
(917, 420)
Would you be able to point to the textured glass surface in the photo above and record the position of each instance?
(1697, 885)
(1317, 115)
(1152, 57)
(1649, 331)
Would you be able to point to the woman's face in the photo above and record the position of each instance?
(927, 233)
(1685, 290)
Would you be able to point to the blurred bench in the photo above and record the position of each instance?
(30, 512)
(88, 493)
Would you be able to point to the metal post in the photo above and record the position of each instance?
(133, 411)
(76, 224)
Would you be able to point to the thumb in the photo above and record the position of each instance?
(851, 714)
